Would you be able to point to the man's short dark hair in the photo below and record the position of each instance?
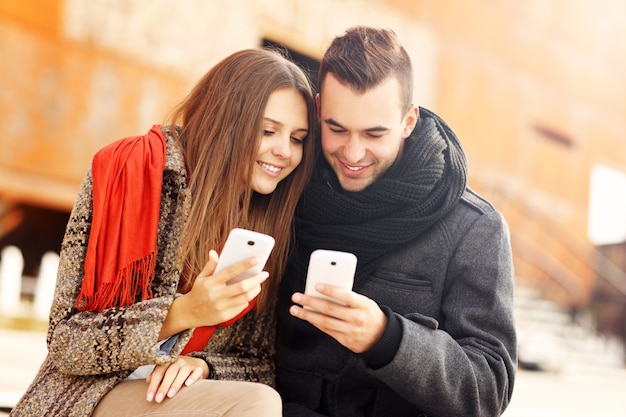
(364, 57)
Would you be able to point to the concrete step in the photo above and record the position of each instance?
(551, 339)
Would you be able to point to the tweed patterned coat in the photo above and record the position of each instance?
(89, 353)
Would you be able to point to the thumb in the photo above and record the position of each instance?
(210, 265)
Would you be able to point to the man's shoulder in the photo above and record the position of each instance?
(474, 201)
(470, 208)
(471, 212)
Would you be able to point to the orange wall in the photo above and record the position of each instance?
(63, 100)
(43, 15)
(506, 67)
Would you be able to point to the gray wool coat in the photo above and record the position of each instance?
(452, 291)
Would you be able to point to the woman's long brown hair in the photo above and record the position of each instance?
(220, 133)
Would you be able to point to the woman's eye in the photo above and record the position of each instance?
(297, 140)
(268, 132)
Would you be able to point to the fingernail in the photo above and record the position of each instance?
(150, 396)
(296, 298)
(265, 274)
(294, 310)
(189, 381)
(254, 260)
(159, 397)
(171, 392)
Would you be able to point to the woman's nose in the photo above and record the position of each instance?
(282, 146)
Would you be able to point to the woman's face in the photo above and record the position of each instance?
(285, 126)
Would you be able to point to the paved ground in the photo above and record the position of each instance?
(575, 392)
(21, 353)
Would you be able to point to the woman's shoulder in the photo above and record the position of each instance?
(174, 159)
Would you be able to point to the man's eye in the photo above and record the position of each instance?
(337, 130)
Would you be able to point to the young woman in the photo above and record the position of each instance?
(139, 324)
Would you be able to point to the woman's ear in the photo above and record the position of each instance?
(317, 103)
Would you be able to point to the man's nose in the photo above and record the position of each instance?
(354, 151)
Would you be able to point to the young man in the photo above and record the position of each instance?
(428, 328)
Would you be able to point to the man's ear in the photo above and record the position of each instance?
(410, 120)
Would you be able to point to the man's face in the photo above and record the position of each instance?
(362, 134)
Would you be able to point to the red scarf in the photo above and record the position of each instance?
(121, 252)
(202, 335)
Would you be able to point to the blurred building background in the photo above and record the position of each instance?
(535, 89)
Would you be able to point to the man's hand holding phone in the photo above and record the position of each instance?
(355, 321)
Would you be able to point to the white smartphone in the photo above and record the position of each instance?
(330, 267)
(243, 244)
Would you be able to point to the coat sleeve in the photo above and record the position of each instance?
(244, 351)
(464, 363)
(116, 339)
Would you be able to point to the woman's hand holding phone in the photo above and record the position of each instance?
(221, 291)
(211, 299)
(225, 286)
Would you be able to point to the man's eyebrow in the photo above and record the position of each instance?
(333, 122)
(377, 129)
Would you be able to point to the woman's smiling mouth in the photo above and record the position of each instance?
(273, 169)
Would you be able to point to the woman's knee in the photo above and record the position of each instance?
(264, 397)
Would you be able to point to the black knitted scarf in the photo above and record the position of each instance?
(421, 188)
